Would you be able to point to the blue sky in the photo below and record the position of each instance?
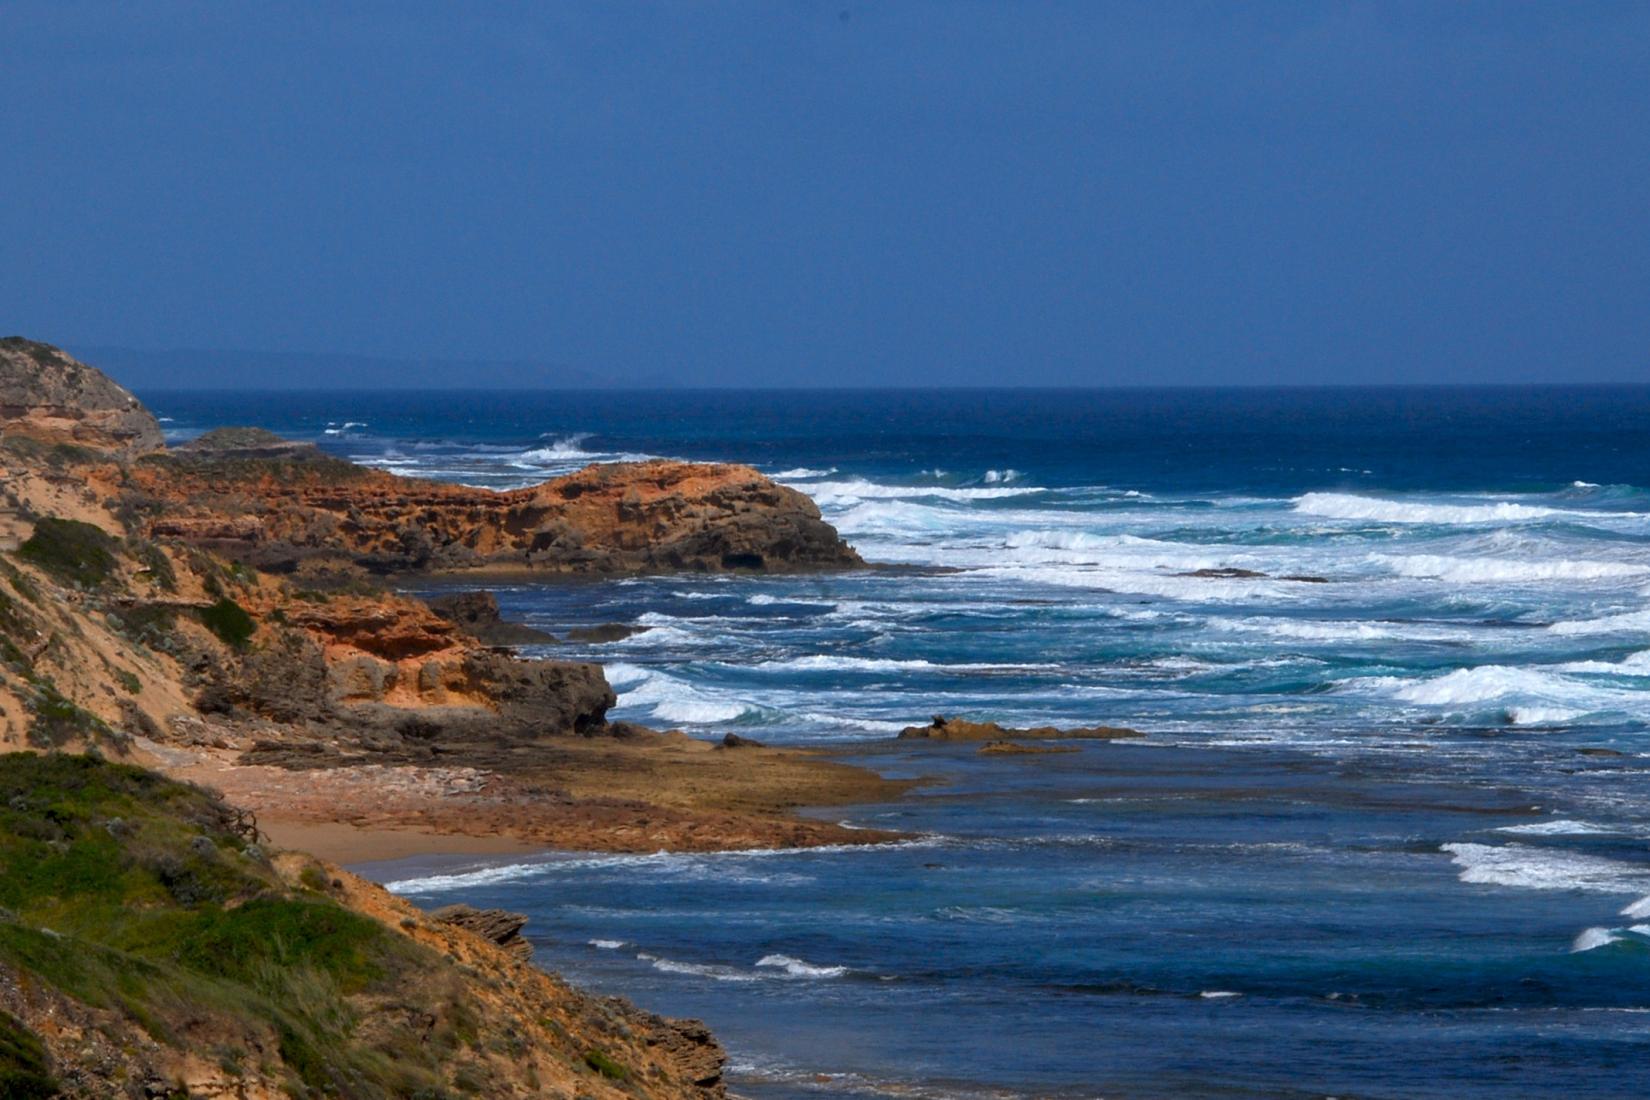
(795, 193)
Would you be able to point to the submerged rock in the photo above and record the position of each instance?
(1010, 748)
(961, 729)
(606, 632)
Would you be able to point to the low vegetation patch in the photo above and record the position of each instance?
(230, 622)
(605, 1066)
(72, 551)
(23, 1069)
(58, 721)
(155, 564)
(130, 892)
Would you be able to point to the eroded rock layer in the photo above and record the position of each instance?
(639, 517)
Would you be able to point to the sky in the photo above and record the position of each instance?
(790, 193)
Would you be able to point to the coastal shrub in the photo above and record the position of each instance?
(20, 582)
(607, 1067)
(129, 681)
(58, 721)
(23, 1066)
(76, 552)
(156, 565)
(151, 625)
(13, 626)
(55, 455)
(230, 622)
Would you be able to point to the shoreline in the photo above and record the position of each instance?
(641, 792)
(353, 845)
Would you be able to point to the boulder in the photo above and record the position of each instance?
(478, 613)
(605, 632)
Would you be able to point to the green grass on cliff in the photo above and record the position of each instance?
(132, 893)
(23, 1070)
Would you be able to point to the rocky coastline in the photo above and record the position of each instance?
(217, 613)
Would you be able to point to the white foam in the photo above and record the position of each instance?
(1592, 938)
(1634, 664)
(1484, 570)
(606, 945)
(699, 970)
(729, 866)
(1483, 684)
(1563, 827)
(1533, 868)
(994, 477)
(569, 449)
(1381, 510)
(1542, 716)
(1640, 908)
(671, 699)
(1218, 994)
(1344, 630)
(801, 473)
(852, 722)
(800, 968)
(1143, 583)
(830, 663)
(1628, 622)
(841, 494)
(486, 876)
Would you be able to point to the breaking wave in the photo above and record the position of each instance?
(1382, 510)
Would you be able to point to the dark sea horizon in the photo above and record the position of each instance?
(1388, 832)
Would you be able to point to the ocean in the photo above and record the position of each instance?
(1388, 835)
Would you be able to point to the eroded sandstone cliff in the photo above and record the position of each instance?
(279, 508)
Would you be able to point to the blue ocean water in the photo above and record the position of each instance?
(1388, 834)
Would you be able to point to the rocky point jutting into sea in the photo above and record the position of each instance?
(212, 613)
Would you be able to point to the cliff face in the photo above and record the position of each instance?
(50, 397)
(647, 517)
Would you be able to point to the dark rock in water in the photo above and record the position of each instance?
(734, 741)
(47, 395)
(478, 613)
(1010, 748)
(606, 632)
(1600, 752)
(1228, 573)
(961, 729)
(249, 443)
(1304, 578)
(498, 925)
